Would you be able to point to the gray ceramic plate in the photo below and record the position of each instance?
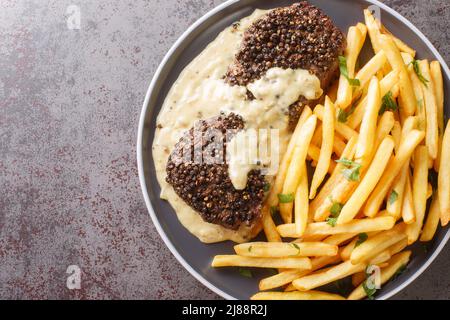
(196, 256)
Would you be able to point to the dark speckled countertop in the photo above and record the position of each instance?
(70, 101)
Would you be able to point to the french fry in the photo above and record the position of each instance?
(314, 154)
(240, 261)
(374, 30)
(272, 198)
(338, 145)
(270, 229)
(405, 151)
(438, 84)
(397, 262)
(337, 272)
(355, 42)
(341, 190)
(403, 47)
(395, 197)
(397, 247)
(296, 295)
(444, 178)
(347, 250)
(326, 149)
(293, 174)
(407, 59)
(418, 91)
(432, 133)
(288, 276)
(284, 249)
(396, 61)
(419, 189)
(363, 29)
(301, 208)
(368, 183)
(381, 258)
(341, 128)
(366, 137)
(386, 84)
(347, 153)
(408, 213)
(378, 243)
(355, 226)
(396, 134)
(432, 221)
(317, 136)
(370, 69)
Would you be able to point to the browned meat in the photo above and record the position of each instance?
(298, 36)
(206, 187)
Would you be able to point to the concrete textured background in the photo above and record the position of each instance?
(69, 107)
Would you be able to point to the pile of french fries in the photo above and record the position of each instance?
(372, 144)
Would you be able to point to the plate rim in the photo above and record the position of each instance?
(140, 163)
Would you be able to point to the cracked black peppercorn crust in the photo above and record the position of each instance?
(298, 36)
(207, 187)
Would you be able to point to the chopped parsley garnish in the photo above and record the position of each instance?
(343, 114)
(245, 273)
(393, 197)
(361, 238)
(388, 103)
(286, 198)
(344, 72)
(370, 292)
(250, 249)
(335, 210)
(352, 170)
(266, 187)
(416, 67)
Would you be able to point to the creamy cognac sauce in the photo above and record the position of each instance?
(200, 93)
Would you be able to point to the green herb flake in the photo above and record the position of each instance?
(332, 221)
(250, 249)
(352, 171)
(245, 273)
(266, 187)
(352, 174)
(370, 292)
(388, 103)
(344, 72)
(417, 70)
(347, 162)
(343, 114)
(335, 209)
(393, 197)
(361, 238)
(286, 198)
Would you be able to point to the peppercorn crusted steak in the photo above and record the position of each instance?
(298, 36)
(206, 186)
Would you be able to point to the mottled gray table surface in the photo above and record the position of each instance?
(69, 108)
